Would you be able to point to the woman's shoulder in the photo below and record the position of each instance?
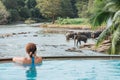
(38, 59)
(25, 60)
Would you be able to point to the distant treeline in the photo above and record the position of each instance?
(38, 10)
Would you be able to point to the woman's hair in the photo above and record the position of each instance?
(31, 48)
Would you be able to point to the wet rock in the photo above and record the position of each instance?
(5, 35)
(22, 33)
(35, 35)
(73, 49)
(13, 33)
(102, 48)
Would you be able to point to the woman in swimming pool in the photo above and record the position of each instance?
(33, 58)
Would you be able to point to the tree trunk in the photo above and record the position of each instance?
(53, 19)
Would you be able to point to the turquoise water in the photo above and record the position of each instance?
(63, 70)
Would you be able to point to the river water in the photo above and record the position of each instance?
(48, 44)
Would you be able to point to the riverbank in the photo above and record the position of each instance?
(47, 25)
(103, 48)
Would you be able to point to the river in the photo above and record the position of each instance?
(48, 44)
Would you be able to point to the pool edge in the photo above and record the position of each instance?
(71, 57)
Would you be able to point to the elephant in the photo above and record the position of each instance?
(87, 34)
(96, 34)
(80, 38)
(70, 35)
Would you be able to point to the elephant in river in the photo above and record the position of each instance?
(87, 34)
(79, 38)
(96, 34)
(70, 35)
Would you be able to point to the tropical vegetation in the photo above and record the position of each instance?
(44, 10)
(108, 11)
(3, 13)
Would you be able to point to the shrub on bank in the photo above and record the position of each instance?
(71, 21)
(29, 21)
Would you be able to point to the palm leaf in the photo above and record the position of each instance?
(103, 35)
(116, 17)
(98, 19)
(115, 40)
(111, 7)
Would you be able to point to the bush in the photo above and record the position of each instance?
(29, 21)
(71, 21)
(14, 15)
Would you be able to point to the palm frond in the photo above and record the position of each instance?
(102, 37)
(106, 33)
(98, 19)
(117, 2)
(115, 40)
(111, 7)
(116, 16)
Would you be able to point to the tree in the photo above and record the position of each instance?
(10, 4)
(30, 3)
(3, 14)
(20, 3)
(110, 13)
(56, 8)
(24, 12)
(14, 15)
(34, 11)
(73, 2)
(67, 8)
(82, 7)
(12, 7)
(49, 8)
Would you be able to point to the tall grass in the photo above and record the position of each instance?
(71, 21)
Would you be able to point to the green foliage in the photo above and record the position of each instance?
(37, 9)
(3, 14)
(20, 3)
(49, 8)
(14, 15)
(53, 9)
(111, 10)
(66, 8)
(24, 12)
(71, 21)
(35, 13)
(73, 3)
(10, 4)
(101, 18)
(82, 7)
(30, 3)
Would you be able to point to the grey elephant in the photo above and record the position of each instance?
(79, 38)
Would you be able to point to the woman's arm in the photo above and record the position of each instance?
(18, 60)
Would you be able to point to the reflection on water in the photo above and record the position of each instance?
(31, 73)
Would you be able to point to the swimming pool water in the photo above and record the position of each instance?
(63, 70)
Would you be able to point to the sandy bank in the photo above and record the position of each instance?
(66, 26)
